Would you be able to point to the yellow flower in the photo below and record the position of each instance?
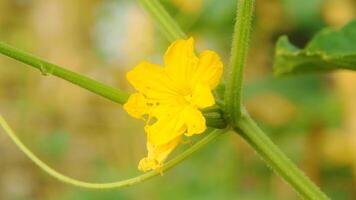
(169, 98)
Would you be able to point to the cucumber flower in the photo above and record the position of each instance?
(169, 99)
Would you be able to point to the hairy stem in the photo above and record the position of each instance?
(165, 22)
(212, 135)
(278, 161)
(47, 68)
(234, 73)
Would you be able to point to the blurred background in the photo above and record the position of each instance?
(311, 117)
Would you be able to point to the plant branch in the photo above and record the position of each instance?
(240, 43)
(278, 161)
(165, 22)
(47, 68)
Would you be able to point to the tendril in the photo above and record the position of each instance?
(213, 133)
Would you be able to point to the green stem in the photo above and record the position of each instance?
(77, 79)
(119, 184)
(277, 160)
(165, 22)
(239, 49)
(244, 124)
(213, 117)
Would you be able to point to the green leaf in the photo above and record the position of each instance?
(328, 50)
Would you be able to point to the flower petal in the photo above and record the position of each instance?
(195, 121)
(181, 62)
(171, 97)
(169, 124)
(209, 70)
(136, 105)
(202, 96)
(151, 80)
(157, 154)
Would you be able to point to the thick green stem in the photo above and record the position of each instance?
(242, 123)
(278, 161)
(77, 79)
(240, 43)
(164, 21)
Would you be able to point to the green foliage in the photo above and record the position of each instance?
(56, 144)
(328, 50)
(318, 105)
(305, 14)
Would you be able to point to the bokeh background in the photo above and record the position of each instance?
(311, 117)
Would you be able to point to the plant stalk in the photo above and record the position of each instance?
(235, 71)
(47, 68)
(277, 160)
(165, 22)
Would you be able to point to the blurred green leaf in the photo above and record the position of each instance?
(328, 50)
(93, 195)
(305, 14)
(56, 144)
(309, 93)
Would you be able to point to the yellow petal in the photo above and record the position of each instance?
(136, 105)
(157, 155)
(195, 121)
(151, 80)
(169, 124)
(202, 96)
(209, 70)
(181, 62)
(147, 164)
(166, 109)
(172, 96)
